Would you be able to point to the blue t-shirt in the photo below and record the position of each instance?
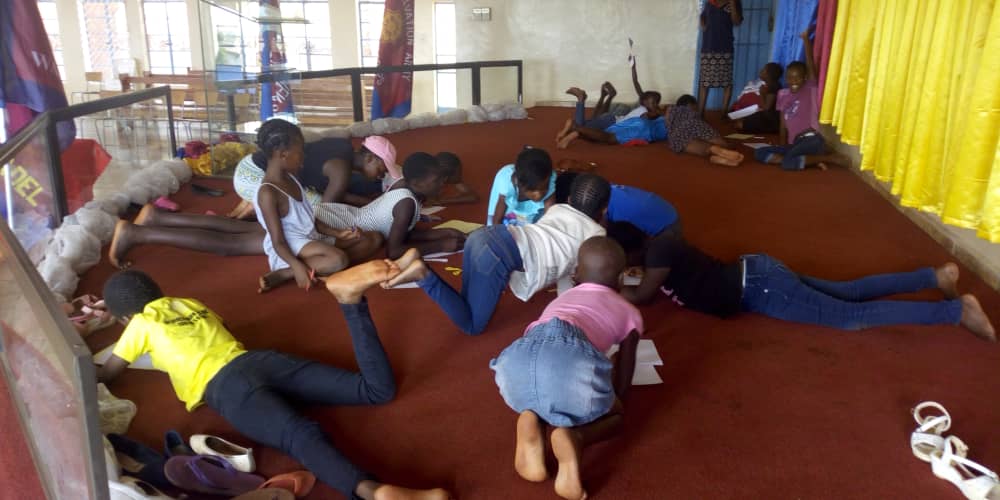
(642, 209)
(639, 128)
(518, 213)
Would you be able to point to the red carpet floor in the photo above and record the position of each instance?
(751, 407)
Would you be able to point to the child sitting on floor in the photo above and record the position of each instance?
(293, 245)
(522, 191)
(255, 390)
(689, 133)
(763, 93)
(460, 192)
(801, 143)
(528, 258)
(559, 373)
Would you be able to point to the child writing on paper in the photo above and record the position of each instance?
(522, 191)
(801, 143)
(764, 93)
(455, 191)
(526, 258)
(559, 373)
(293, 244)
(255, 390)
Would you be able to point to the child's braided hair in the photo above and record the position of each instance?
(590, 194)
(273, 135)
(127, 292)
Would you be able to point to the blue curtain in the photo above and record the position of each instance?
(792, 18)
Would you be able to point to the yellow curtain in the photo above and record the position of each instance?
(916, 85)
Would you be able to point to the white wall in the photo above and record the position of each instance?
(579, 43)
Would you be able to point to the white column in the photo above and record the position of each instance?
(74, 52)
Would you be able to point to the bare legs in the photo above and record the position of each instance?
(203, 233)
(822, 162)
(702, 97)
(727, 95)
(572, 131)
(567, 446)
(720, 154)
(588, 134)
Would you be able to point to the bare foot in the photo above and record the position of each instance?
(147, 216)
(120, 244)
(566, 448)
(566, 141)
(947, 280)
(719, 160)
(408, 258)
(269, 281)
(391, 492)
(975, 320)
(610, 89)
(578, 93)
(565, 130)
(416, 271)
(529, 455)
(726, 153)
(349, 285)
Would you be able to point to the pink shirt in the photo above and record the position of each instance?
(603, 315)
(800, 109)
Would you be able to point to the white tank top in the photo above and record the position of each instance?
(298, 225)
(375, 216)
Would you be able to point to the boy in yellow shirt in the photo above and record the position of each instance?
(253, 390)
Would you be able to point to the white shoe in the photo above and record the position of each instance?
(241, 458)
(950, 464)
(926, 439)
(130, 488)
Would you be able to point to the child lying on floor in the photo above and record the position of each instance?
(523, 190)
(558, 373)
(458, 192)
(255, 390)
(689, 133)
(761, 284)
(528, 258)
(801, 144)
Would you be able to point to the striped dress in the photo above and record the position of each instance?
(375, 216)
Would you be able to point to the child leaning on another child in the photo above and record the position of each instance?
(559, 373)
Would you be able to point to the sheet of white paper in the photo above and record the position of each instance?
(412, 284)
(438, 255)
(431, 210)
(142, 363)
(745, 112)
(646, 353)
(631, 280)
(756, 145)
(646, 375)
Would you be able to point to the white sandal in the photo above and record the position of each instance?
(926, 439)
(950, 464)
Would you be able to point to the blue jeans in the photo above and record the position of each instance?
(256, 391)
(554, 371)
(794, 154)
(600, 122)
(491, 255)
(774, 290)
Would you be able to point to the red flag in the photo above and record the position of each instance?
(394, 91)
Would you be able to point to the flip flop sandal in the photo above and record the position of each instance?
(951, 465)
(208, 474)
(926, 439)
(300, 482)
(207, 191)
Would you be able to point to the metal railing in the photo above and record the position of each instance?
(357, 92)
(44, 127)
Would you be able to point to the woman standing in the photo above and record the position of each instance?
(717, 20)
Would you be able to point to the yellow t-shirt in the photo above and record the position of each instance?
(184, 338)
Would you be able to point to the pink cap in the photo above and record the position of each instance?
(381, 147)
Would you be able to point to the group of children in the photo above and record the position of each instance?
(543, 226)
(792, 112)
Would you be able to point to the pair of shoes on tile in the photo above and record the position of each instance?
(239, 457)
(947, 454)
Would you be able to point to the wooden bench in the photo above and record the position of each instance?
(317, 102)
